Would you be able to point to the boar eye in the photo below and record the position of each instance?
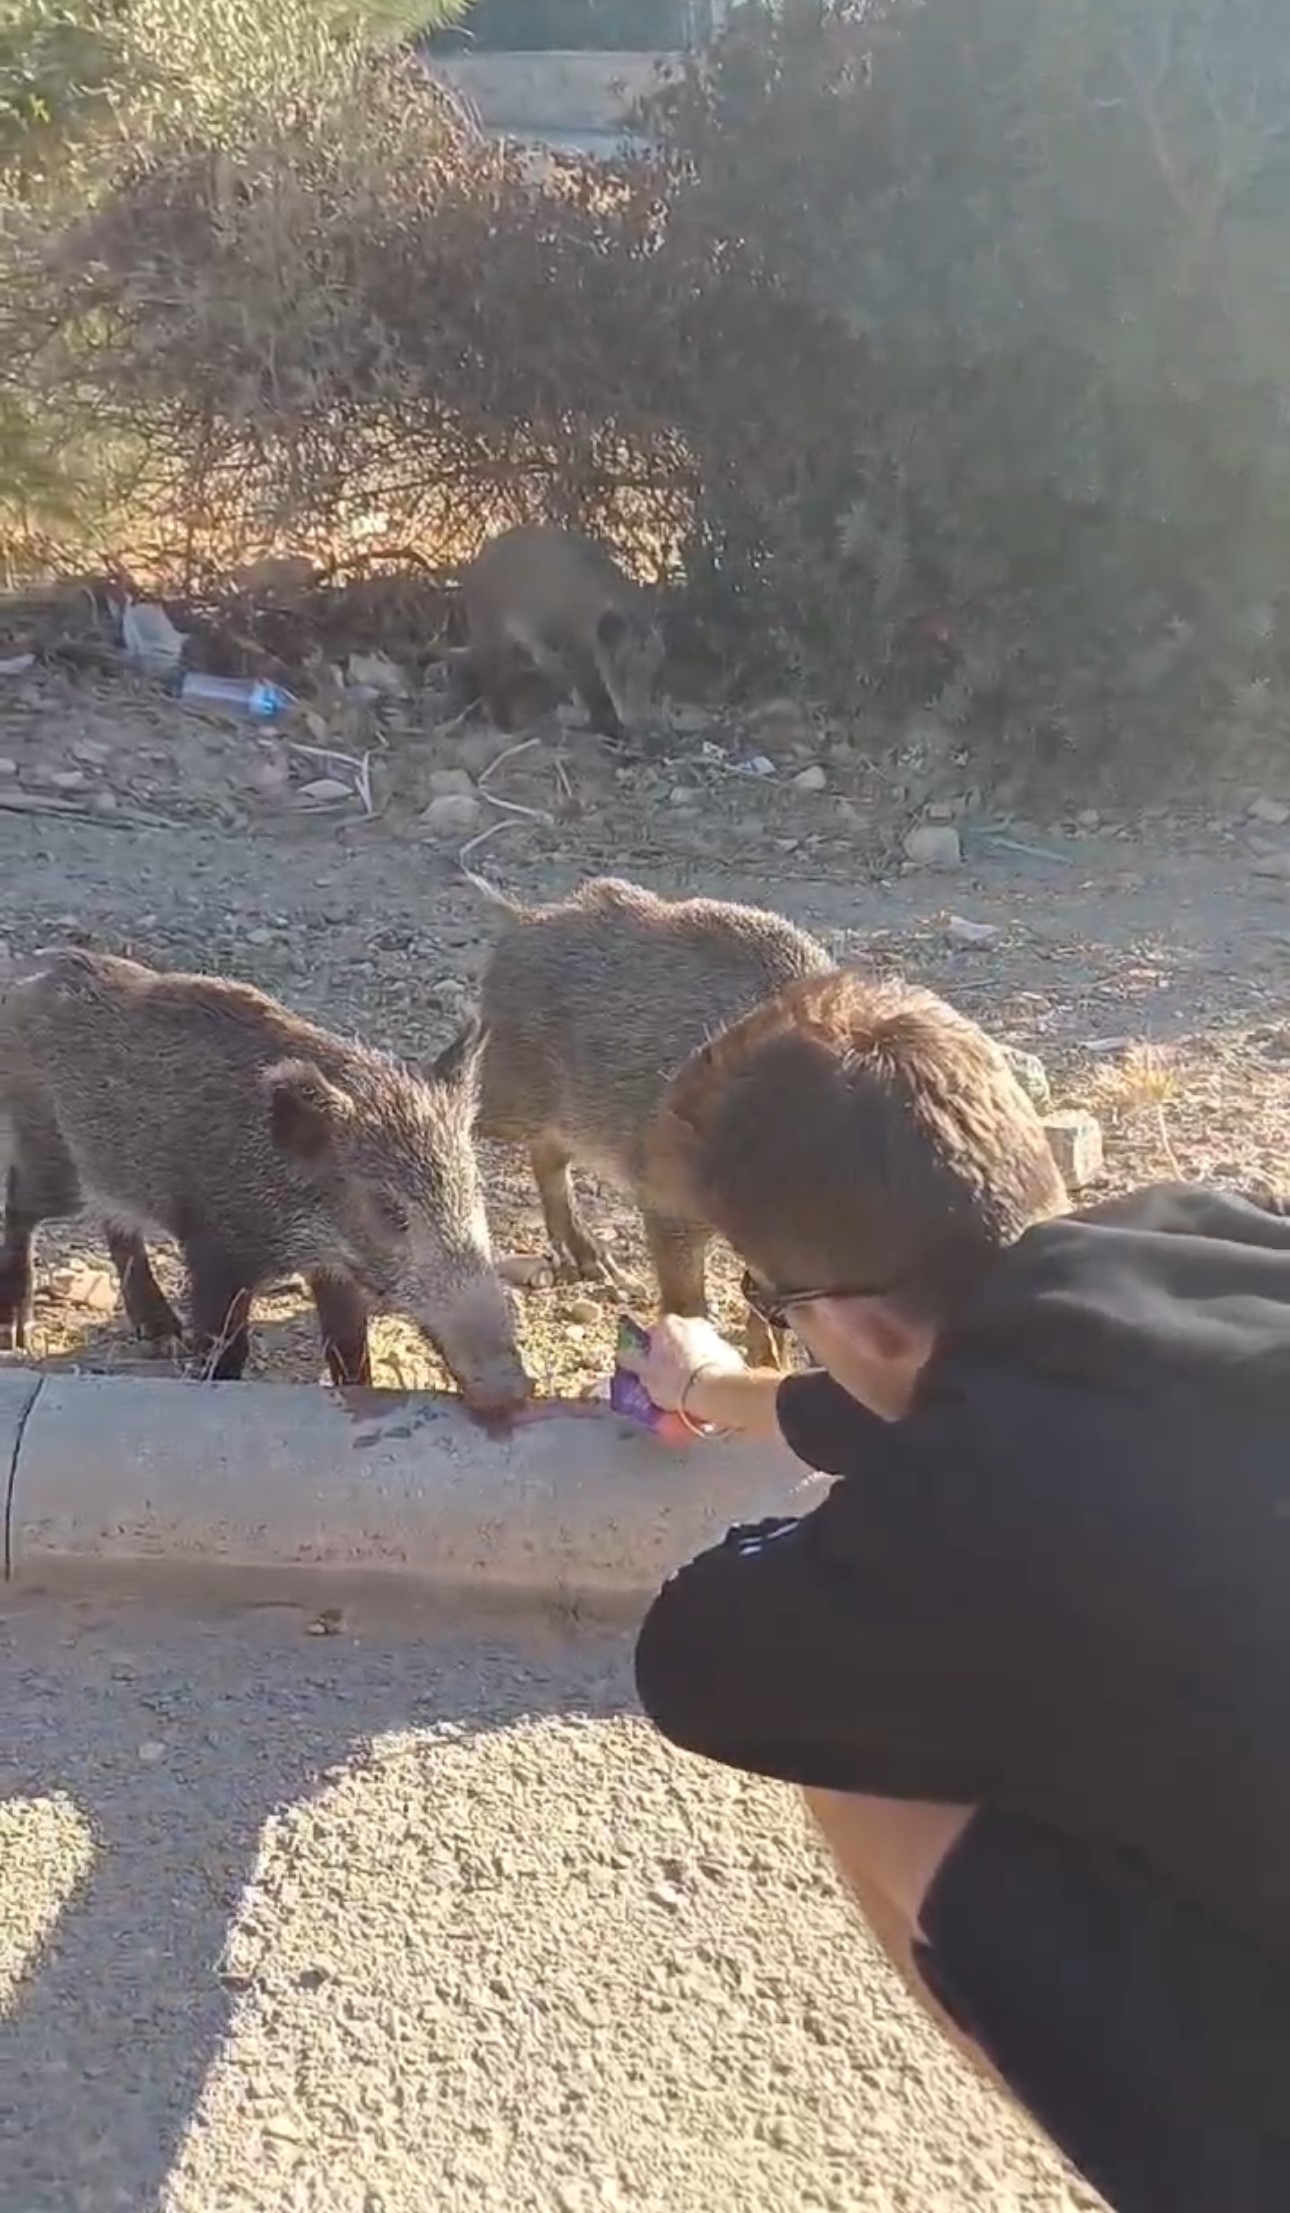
(393, 1215)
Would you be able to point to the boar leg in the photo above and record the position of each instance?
(678, 1250)
(148, 1310)
(16, 1276)
(591, 689)
(577, 1252)
(221, 1311)
(342, 1318)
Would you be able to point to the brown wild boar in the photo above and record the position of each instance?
(559, 599)
(589, 1006)
(202, 1110)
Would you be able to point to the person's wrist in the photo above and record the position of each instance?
(704, 1371)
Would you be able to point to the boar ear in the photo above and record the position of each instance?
(459, 1064)
(612, 628)
(307, 1115)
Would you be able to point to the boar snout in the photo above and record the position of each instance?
(474, 1329)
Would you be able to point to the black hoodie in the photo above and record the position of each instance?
(1061, 1585)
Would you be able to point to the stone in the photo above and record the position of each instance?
(450, 783)
(1271, 864)
(454, 815)
(325, 789)
(8, 767)
(91, 752)
(1088, 818)
(478, 749)
(813, 778)
(66, 779)
(934, 845)
(1075, 1142)
(105, 803)
(682, 795)
(82, 1285)
(963, 932)
(1032, 1076)
(375, 672)
(1274, 811)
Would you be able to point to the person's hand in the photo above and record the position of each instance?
(681, 1347)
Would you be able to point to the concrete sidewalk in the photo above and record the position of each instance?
(263, 1490)
(380, 1924)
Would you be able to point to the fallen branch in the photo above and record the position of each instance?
(27, 803)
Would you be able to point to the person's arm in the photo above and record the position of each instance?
(853, 1648)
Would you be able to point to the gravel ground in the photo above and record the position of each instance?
(386, 1922)
(1102, 937)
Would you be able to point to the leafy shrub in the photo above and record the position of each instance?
(939, 348)
(1059, 238)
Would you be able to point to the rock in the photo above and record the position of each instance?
(66, 779)
(682, 795)
(689, 722)
(934, 845)
(375, 672)
(1075, 1142)
(1032, 1075)
(1088, 818)
(454, 815)
(478, 749)
(105, 803)
(526, 1271)
(17, 664)
(813, 778)
(91, 753)
(943, 810)
(1269, 810)
(325, 789)
(450, 783)
(961, 931)
(584, 1312)
(8, 767)
(270, 778)
(82, 1285)
(1271, 864)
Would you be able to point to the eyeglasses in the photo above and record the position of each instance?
(775, 1308)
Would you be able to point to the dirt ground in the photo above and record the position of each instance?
(1145, 962)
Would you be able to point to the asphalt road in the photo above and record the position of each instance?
(388, 1922)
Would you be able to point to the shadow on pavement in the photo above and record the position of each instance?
(175, 1741)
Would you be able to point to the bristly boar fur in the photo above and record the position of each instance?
(590, 1005)
(266, 1147)
(560, 599)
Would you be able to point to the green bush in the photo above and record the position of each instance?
(1059, 239)
(940, 346)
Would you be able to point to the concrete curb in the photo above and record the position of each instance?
(269, 1490)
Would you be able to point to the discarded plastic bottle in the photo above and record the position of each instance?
(247, 695)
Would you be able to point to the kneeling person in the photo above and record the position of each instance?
(1030, 1658)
